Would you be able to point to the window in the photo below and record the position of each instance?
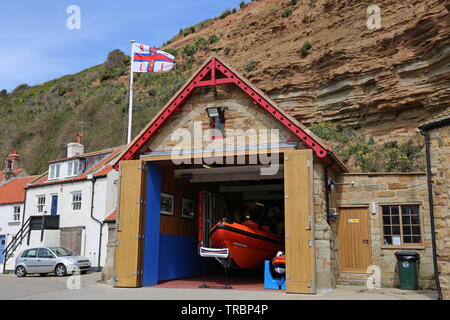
(16, 213)
(30, 253)
(45, 253)
(73, 168)
(54, 170)
(62, 252)
(401, 225)
(76, 201)
(40, 204)
(93, 160)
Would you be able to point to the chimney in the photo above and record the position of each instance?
(75, 148)
(12, 163)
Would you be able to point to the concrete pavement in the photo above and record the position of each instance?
(54, 288)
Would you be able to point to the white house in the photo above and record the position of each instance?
(12, 199)
(13, 179)
(75, 196)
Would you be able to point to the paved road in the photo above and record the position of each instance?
(54, 288)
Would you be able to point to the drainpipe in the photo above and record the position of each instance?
(327, 194)
(24, 205)
(430, 202)
(96, 220)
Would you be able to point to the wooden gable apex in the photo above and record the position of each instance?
(216, 72)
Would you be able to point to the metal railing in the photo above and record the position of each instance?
(16, 241)
(33, 223)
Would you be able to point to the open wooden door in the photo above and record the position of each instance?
(299, 222)
(130, 226)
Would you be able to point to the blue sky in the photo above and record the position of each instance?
(36, 46)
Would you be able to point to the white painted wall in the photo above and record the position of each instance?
(9, 227)
(105, 193)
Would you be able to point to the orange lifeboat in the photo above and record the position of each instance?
(248, 243)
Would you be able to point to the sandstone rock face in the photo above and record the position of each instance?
(386, 81)
(440, 165)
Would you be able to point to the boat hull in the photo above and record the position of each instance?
(248, 246)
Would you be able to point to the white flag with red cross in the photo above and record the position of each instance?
(149, 59)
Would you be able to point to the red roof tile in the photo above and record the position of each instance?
(14, 191)
(103, 172)
(44, 179)
(112, 216)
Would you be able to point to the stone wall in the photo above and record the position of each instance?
(108, 271)
(326, 267)
(389, 189)
(440, 170)
(240, 114)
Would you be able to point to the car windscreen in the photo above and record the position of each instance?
(62, 252)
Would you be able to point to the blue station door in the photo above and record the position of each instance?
(2, 247)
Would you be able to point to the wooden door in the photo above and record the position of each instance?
(70, 238)
(354, 240)
(130, 227)
(299, 222)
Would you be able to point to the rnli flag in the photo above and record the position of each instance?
(148, 59)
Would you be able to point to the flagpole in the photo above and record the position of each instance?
(130, 109)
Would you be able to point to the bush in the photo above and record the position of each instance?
(304, 49)
(242, 4)
(19, 88)
(115, 59)
(286, 13)
(115, 65)
(294, 2)
(225, 14)
(3, 93)
(213, 39)
(250, 66)
(190, 49)
(201, 43)
(226, 50)
(392, 156)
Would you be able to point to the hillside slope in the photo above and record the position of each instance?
(382, 83)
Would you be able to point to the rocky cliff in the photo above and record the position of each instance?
(386, 81)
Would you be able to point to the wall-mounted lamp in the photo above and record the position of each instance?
(217, 116)
(214, 112)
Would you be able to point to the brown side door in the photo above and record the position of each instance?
(70, 238)
(354, 240)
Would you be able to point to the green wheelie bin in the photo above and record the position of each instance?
(408, 269)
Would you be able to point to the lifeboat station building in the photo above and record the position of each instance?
(221, 148)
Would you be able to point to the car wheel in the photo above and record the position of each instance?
(42, 274)
(84, 272)
(60, 270)
(21, 272)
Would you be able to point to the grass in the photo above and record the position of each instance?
(304, 49)
(250, 66)
(367, 155)
(286, 13)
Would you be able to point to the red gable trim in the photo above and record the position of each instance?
(209, 70)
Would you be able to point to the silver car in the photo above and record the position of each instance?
(44, 260)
